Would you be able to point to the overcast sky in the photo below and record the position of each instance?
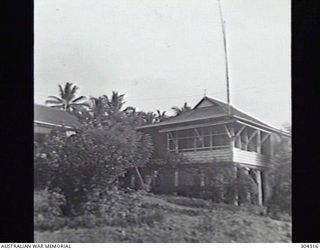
(162, 53)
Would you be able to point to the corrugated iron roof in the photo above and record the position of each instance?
(55, 117)
(218, 109)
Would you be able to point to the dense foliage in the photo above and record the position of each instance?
(90, 160)
(280, 178)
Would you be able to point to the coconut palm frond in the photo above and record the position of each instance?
(61, 90)
(84, 104)
(67, 90)
(181, 110)
(73, 91)
(80, 98)
(53, 102)
(56, 98)
(61, 106)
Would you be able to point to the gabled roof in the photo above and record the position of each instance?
(211, 108)
(54, 117)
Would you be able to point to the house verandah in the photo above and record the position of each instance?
(227, 155)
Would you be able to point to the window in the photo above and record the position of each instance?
(198, 139)
(186, 143)
(220, 140)
(206, 141)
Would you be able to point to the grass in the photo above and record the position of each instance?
(179, 219)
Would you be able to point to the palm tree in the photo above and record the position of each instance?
(146, 117)
(179, 111)
(149, 117)
(115, 103)
(130, 110)
(161, 116)
(98, 106)
(67, 99)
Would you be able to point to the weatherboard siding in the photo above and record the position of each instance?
(252, 158)
(209, 156)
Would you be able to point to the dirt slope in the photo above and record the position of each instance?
(192, 222)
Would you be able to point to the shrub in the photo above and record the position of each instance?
(279, 201)
(113, 208)
(89, 161)
(122, 208)
(47, 212)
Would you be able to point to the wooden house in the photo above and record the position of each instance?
(210, 137)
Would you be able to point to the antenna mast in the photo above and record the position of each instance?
(226, 57)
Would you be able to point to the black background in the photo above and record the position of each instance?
(16, 99)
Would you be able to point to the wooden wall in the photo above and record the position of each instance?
(208, 156)
(251, 158)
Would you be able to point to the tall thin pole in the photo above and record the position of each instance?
(226, 57)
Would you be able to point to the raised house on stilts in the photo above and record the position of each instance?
(227, 154)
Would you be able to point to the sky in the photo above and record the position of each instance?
(162, 53)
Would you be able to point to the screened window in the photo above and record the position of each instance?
(198, 139)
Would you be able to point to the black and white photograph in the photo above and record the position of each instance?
(162, 121)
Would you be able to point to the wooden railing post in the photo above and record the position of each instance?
(246, 139)
(259, 142)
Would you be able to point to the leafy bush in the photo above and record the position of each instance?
(113, 208)
(90, 160)
(279, 201)
(120, 208)
(47, 212)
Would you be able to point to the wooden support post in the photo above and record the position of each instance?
(194, 140)
(176, 178)
(132, 181)
(271, 146)
(176, 142)
(238, 136)
(211, 144)
(260, 189)
(236, 200)
(265, 187)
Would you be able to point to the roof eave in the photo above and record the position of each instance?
(268, 127)
(54, 125)
(179, 122)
